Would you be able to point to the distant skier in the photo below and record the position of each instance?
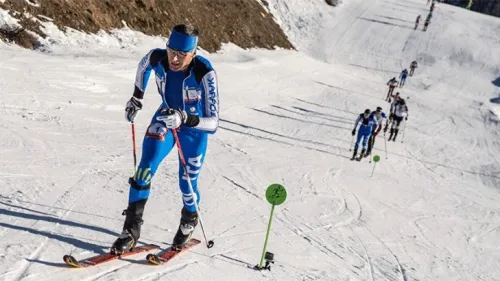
(393, 83)
(426, 24)
(379, 115)
(364, 132)
(432, 6)
(399, 112)
(396, 98)
(402, 77)
(413, 65)
(417, 21)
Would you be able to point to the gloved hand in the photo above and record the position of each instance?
(132, 108)
(406, 118)
(354, 132)
(173, 118)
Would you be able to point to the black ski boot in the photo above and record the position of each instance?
(187, 225)
(391, 135)
(354, 154)
(363, 151)
(125, 243)
(131, 228)
(395, 134)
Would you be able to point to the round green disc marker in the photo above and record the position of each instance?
(276, 194)
(376, 158)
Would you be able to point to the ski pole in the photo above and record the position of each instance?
(404, 129)
(385, 141)
(210, 243)
(133, 143)
(352, 141)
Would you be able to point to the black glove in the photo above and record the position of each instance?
(132, 108)
(354, 132)
(406, 119)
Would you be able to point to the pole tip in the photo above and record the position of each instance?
(210, 244)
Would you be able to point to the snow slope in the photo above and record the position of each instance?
(430, 211)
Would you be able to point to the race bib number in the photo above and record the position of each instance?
(157, 131)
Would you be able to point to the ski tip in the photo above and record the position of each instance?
(153, 259)
(71, 261)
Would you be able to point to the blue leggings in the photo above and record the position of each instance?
(157, 144)
(364, 133)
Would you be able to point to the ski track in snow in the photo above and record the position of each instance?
(19, 273)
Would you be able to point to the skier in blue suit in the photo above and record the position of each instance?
(364, 132)
(402, 77)
(187, 84)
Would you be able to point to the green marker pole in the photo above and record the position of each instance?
(275, 195)
(376, 158)
(267, 237)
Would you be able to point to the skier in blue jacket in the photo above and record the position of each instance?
(364, 132)
(402, 78)
(187, 84)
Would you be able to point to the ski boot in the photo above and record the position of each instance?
(395, 134)
(131, 228)
(363, 151)
(354, 154)
(391, 135)
(188, 222)
(125, 243)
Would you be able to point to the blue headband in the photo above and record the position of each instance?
(182, 42)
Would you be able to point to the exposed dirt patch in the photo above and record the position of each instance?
(243, 22)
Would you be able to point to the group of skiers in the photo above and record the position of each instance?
(393, 83)
(428, 19)
(371, 122)
(188, 113)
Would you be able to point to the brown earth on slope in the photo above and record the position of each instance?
(243, 22)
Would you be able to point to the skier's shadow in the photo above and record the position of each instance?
(296, 119)
(49, 218)
(387, 23)
(52, 235)
(307, 112)
(35, 215)
(325, 106)
(347, 90)
(373, 68)
(391, 18)
(247, 133)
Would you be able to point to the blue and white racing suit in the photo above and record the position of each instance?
(196, 92)
(365, 129)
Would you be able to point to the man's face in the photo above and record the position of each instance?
(178, 60)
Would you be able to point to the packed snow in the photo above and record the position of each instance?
(429, 212)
